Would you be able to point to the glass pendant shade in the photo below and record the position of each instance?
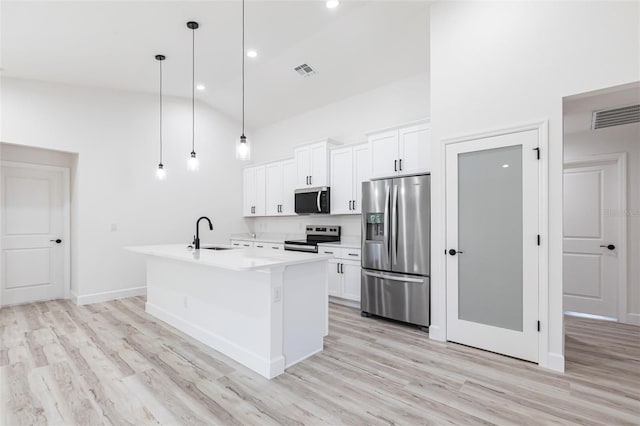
(193, 164)
(243, 149)
(161, 173)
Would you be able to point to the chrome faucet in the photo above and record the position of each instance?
(196, 238)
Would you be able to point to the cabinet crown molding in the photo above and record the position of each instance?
(400, 126)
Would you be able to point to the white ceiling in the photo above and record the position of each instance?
(578, 109)
(355, 47)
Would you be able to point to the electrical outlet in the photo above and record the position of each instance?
(114, 227)
(185, 302)
(277, 294)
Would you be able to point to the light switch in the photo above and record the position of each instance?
(277, 294)
(114, 227)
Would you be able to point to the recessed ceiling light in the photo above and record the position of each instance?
(504, 166)
(331, 4)
(200, 87)
(252, 53)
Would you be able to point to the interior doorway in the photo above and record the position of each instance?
(35, 224)
(601, 204)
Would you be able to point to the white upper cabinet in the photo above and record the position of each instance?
(254, 191)
(280, 182)
(401, 151)
(312, 165)
(350, 166)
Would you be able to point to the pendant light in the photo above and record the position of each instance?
(192, 163)
(243, 152)
(161, 174)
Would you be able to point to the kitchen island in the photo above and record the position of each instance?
(265, 311)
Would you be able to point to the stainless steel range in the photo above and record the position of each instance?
(315, 234)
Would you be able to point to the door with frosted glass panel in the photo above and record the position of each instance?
(492, 243)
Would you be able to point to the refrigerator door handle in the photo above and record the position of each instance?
(387, 228)
(394, 278)
(394, 216)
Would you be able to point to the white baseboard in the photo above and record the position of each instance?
(633, 319)
(264, 367)
(555, 362)
(105, 296)
(437, 333)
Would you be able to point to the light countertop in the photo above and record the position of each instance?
(234, 259)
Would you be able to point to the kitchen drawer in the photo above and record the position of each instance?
(350, 254)
(335, 251)
(241, 243)
(341, 253)
(268, 246)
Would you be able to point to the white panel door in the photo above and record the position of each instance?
(303, 166)
(288, 187)
(274, 186)
(319, 164)
(334, 278)
(33, 232)
(361, 173)
(260, 188)
(383, 148)
(592, 224)
(249, 191)
(342, 178)
(351, 277)
(492, 244)
(413, 146)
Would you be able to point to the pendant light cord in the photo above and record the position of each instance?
(193, 91)
(243, 53)
(160, 112)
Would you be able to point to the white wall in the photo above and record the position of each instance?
(614, 140)
(495, 64)
(345, 121)
(115, 135)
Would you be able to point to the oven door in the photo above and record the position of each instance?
(312, 200)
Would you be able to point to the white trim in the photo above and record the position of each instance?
(546, 359)
(66, 213)
(106, 296)
(633, 319)
(425, 120)
(620, 158)
(345, 302)
(589, 316)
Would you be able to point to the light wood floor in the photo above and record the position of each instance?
(111, 363)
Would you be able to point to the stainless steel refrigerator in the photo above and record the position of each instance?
(396, 249)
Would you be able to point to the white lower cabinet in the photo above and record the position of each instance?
(343, 273)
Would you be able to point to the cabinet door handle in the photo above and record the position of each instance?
(400, 162)
(342, 268)
(354, 204)
(353, 254)
(350, 204)
(338, 268)
(310, 180)
(328, 252)
(395, 165)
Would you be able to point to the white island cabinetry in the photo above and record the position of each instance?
(265, 310)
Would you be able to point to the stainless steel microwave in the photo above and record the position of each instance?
(312, 200)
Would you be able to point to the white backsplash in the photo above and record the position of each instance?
(296, 224)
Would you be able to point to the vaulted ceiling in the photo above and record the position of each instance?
(355, 47)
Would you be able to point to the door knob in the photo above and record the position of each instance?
(610, 246)
(57, 241)
(453, 252)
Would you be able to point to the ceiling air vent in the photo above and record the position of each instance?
(305, 70)
(615, 117)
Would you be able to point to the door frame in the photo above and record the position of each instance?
(542, 127)
(620, 159)
(66, 214)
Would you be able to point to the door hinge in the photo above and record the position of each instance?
(538, 239)
(537, 150)
(538, 325)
